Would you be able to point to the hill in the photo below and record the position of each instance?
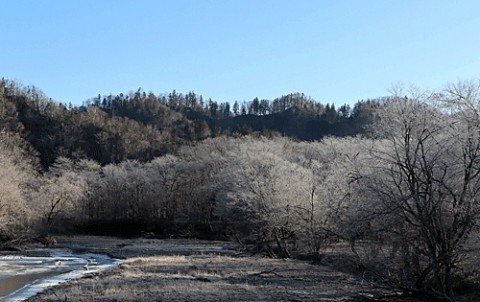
(141, 126)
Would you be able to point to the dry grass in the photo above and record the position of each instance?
(194, 275)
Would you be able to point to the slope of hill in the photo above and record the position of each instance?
(141, 126)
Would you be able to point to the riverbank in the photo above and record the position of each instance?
(193, 270)
(27, 273)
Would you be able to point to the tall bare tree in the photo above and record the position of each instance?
(261, 193)
(17, 170)
(425, 173)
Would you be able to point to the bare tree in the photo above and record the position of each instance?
(261, 193)
(16, 215)
(112, 194)
(169, 180)
(61, 192)
(424, 173)
(327, 213)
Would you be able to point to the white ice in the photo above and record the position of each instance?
(61, 266)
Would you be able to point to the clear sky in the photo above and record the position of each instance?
(335, 51)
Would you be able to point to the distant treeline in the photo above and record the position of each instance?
(142, 126)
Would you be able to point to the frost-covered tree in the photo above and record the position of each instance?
(261, 193)
(325, 213)
(425, 175)
(18, 169)
(61, 193)
(15, 213)
(168, 177)
(112, 194)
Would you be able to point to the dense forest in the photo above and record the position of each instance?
(141, 126)
(288, 177)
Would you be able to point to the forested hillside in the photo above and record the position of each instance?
(141, 126)
(399, 176)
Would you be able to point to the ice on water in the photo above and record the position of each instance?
(62, 265)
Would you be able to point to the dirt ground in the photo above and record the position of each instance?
(190, 270)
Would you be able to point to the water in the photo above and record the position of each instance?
(22, 277)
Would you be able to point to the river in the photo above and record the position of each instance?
(23, 276)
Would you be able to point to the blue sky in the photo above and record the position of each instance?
(334, 51)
